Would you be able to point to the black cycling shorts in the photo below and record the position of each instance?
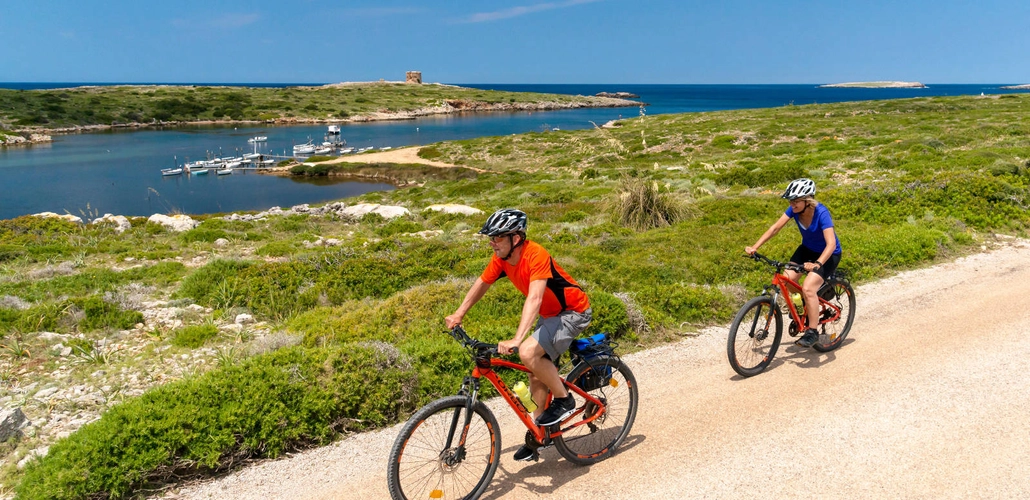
(804, 254)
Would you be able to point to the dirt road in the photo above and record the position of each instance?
(928, 398)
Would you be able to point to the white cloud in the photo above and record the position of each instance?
(481, 17)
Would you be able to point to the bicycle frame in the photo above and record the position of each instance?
(484, 370)
(785, 285)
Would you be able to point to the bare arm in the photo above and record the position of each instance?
(474, 294)
(530, 311)
(769, 233)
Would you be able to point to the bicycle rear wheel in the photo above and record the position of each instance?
(608, 379)
(423, 464)
(754, 336)
(843, 296)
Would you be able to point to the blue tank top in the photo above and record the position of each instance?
(812, 236)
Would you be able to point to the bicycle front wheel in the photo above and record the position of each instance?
(834, 332)
(608, 379)
(426, 460)
(754, 336)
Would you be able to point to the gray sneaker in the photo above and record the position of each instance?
(809, 338)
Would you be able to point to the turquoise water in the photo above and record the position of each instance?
(119, 172)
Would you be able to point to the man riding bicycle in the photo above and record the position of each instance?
(819, 252)
(560, 308)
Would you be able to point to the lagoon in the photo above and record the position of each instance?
(119, 171)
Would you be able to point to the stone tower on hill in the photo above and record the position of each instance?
(413, 77)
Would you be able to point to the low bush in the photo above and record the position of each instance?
(286, 400)
(194, 336)
(643, 204)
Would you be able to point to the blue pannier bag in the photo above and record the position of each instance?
(589, 348)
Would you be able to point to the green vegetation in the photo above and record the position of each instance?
(112, 105)
(657, 209)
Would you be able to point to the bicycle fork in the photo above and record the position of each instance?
(453, 455)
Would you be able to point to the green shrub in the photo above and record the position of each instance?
(194, 336)
(204, 234)
(289, 399)
(278, 248)
(100, 315)
(202, 285)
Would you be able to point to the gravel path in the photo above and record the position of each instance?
(926, 399)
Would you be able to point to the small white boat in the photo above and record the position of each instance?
(323, 150)
(347, 150)
(306, 148)
(334, 130)
(171, 171)
(266, 162)
(260, 138)
(202, 171)
(224, 171)
(251, 156)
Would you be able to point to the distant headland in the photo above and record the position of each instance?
(876, 85)
(1025, 86)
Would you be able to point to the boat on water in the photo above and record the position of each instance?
(200, 171)
(171, 171)
(260, 138)
(224, 171)
(306, 148)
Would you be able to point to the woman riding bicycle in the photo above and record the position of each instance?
(819, 251)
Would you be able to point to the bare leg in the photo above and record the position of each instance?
(810, 288)
(544, 375)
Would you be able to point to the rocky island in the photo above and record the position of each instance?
(876, 85)
(1025, 86)
(617, 95)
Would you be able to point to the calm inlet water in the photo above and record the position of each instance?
(119, 172)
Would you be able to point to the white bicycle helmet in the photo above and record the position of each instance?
(799, 188)
(505, 221)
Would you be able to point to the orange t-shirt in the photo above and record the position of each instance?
(562, 293)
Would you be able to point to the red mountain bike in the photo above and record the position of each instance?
(757, 328)
(451, 447)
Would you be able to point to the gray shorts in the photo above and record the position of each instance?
(556, 333)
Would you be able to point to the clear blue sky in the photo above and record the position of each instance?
(520, 41)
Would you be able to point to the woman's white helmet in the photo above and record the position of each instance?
(799, 188)
(505, 221)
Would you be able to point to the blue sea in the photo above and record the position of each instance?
(118, 172)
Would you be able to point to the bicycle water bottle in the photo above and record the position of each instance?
(523, 393)
(798, 304)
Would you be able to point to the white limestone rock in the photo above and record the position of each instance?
(52, 215)
(177, 223)
(120, 222)
(454, 208)
(386, 211)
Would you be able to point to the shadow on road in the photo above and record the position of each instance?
(547, 475)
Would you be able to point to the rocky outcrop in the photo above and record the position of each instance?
(618, 95)
(67, 217)
(453, 208)
(176, 223)
(18, 140)
(385, 211)
(120, 222)
(1025, 86)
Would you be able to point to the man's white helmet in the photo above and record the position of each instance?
(799, 188)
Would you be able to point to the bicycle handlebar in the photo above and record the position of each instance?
(777, 264)
(463, 338)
